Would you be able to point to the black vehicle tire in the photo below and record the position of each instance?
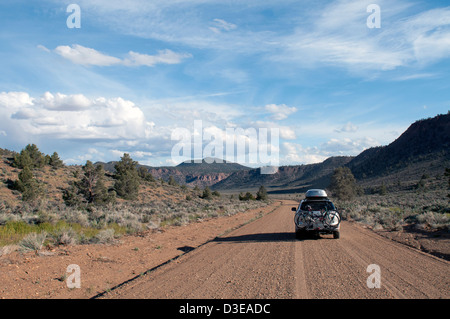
(336, 234)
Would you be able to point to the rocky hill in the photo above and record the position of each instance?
(287, 179)
(424, 148)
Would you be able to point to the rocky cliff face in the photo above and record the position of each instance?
(424, 144)
(190, 179)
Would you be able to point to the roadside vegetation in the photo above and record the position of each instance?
(418, 206)
(44, 203)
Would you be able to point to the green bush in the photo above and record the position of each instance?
(55, 161)
(207, 193)
(343, 184)
(28, 185)
(30, 156)
(262, 194)
(90, 189)
(246, 197)
(127, 178)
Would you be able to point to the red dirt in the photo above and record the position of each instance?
(43, 274)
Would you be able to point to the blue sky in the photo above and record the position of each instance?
(138, 70)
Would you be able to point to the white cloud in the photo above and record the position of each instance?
(347, 128)
(86, 56)
(73, 116)
(43, 48)
(163, 57)
(294, 154)
(62, 102)
(280, 112)
(286, 132)
(15, 100)
(347, 146)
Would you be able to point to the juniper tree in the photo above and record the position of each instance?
(30, 156)
(172, 181)
(145, 175)
(127, 178)
(343, 183)
(207, 193)
(28, 185)
(262, 193)
(55, 161)
(90, 189)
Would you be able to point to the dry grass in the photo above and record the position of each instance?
(426, 208)
(158, 205)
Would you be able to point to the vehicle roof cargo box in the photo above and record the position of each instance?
(316, 193)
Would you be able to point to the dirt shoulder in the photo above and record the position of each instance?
(434, 242)
(44, 274)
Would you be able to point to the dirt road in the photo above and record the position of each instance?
(264, 260)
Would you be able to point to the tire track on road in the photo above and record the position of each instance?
(263, 259)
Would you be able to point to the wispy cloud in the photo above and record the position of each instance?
(340, 37)
(222, 25)
(333, 34)
(349, 127)
(163, 57)
(79, 54)
(416, 76)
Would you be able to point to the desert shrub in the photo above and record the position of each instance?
(215, 193)
(246, 197)
(172, 181)
(75, 216)
(105, 236)
(207, 193)
(66, 236)
(33, 241)
(433, 220)
(383, 189)
(145, 175)
(447, 173)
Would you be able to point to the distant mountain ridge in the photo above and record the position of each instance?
(298, 177)
(205, 173)
(423, 147)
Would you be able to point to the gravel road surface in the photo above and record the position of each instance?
(264, 260)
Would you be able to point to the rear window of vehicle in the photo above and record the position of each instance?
(317, 205)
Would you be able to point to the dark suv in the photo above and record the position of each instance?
(316, 214)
